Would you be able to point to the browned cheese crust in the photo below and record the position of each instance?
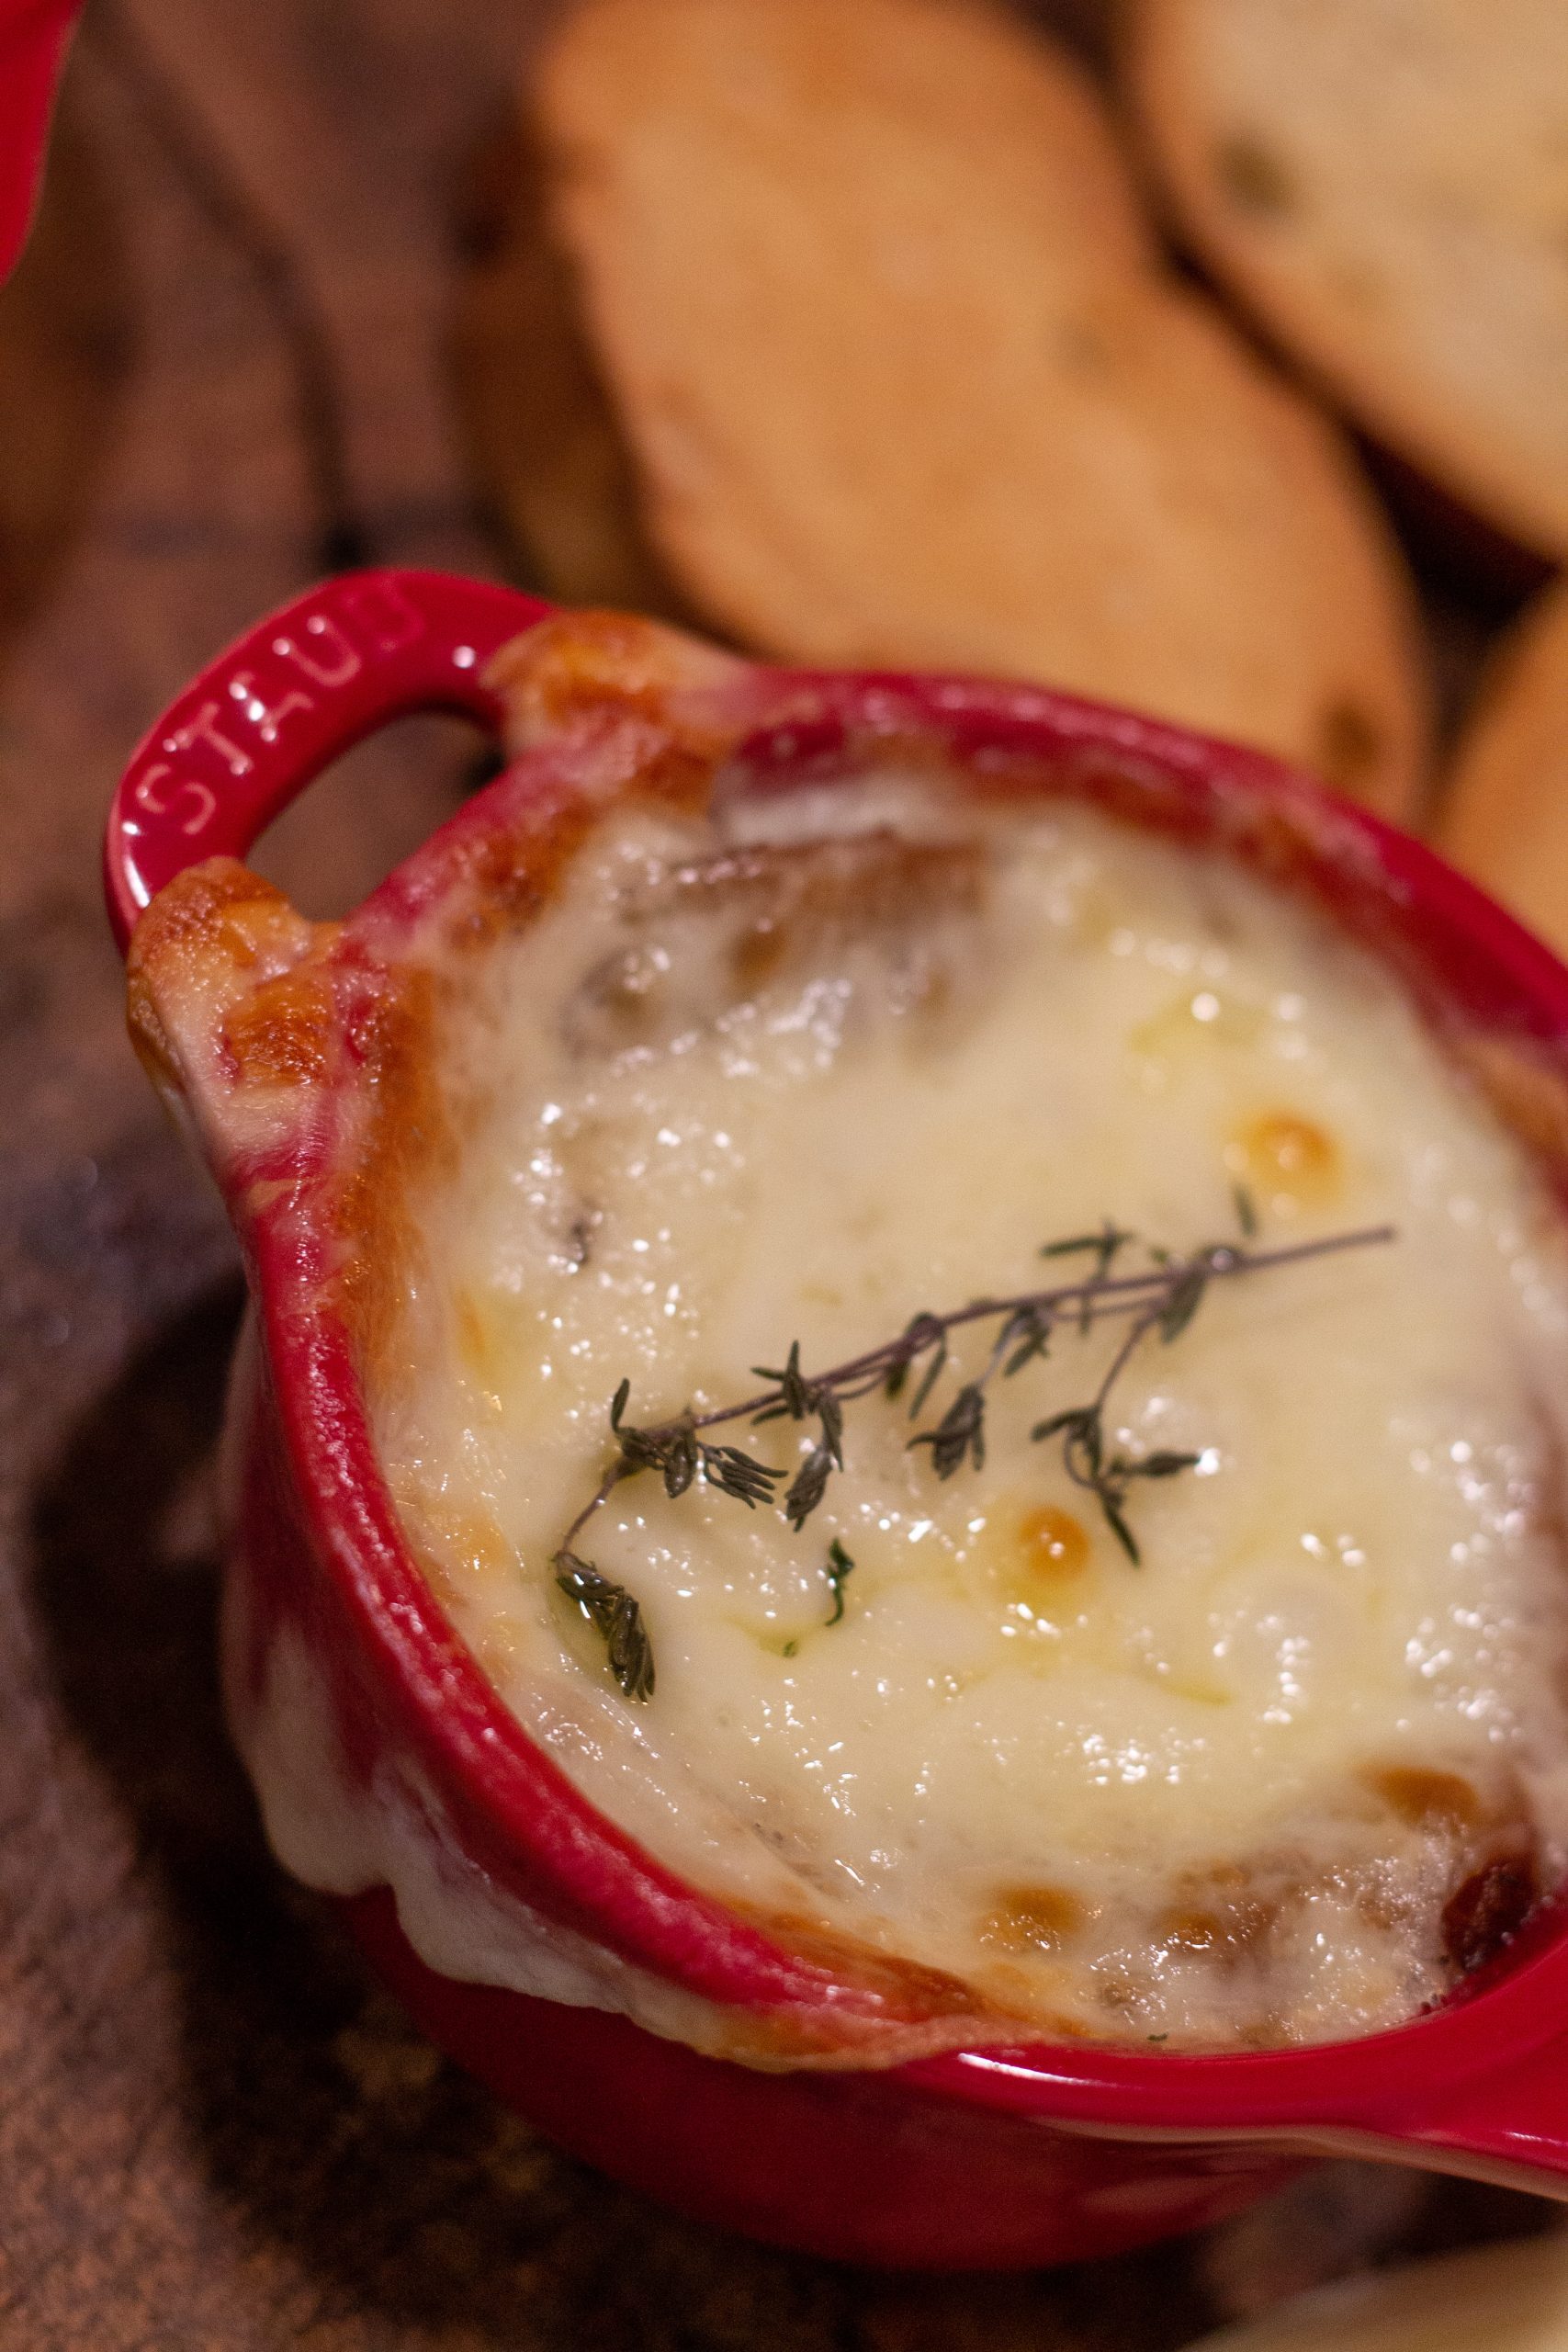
(842, 328)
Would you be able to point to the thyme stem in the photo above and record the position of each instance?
(1104, 1298)
(1163, 1298)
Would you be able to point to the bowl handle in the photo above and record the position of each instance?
(253, 729)
(1507, 2123)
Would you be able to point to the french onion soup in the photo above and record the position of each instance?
(984, 1386)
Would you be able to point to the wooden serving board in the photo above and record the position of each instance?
(221, 366)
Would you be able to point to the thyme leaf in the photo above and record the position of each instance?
(1186, 1298)
(960, 1435)
(616, 1617)
(1075, 1419)
(733, 1473)
(1105, 1244)
(807, 1486)
(919, 1333)
(1110, 1505)
(1030, 1327)
(1163, 1465)
(840, 1565)
(933, 1372)
(794, 1398)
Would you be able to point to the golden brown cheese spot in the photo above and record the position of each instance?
(1227, 1931)
(462, 1547)
(1032, 1919)
(1036, 1562)
(610, 666)
(279, 1036)
(218, 899)
(1426, 1800)
(474, 1338)
(910, 1988)
(1285, 1158)
(1054, 1544)
(1191, 1930)
(209, 936)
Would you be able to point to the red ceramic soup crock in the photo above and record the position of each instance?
(978, 2157)
(34, 35)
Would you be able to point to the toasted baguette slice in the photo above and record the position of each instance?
(1385, 182)
(1508, 2298)
(540, 430)
(903, 380)
(1504, 818)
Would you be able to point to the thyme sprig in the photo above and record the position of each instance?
(1163, 1299)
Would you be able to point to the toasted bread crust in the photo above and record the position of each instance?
(902, 381)
(1383, 182)
(1505, 818)
(533, 408)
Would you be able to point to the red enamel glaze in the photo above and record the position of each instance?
(34, 35)
(246, 737)
(951, 2184)
(979, 2157)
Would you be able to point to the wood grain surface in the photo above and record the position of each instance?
(223, 367)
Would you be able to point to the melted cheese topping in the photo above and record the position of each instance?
(861, 1055)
